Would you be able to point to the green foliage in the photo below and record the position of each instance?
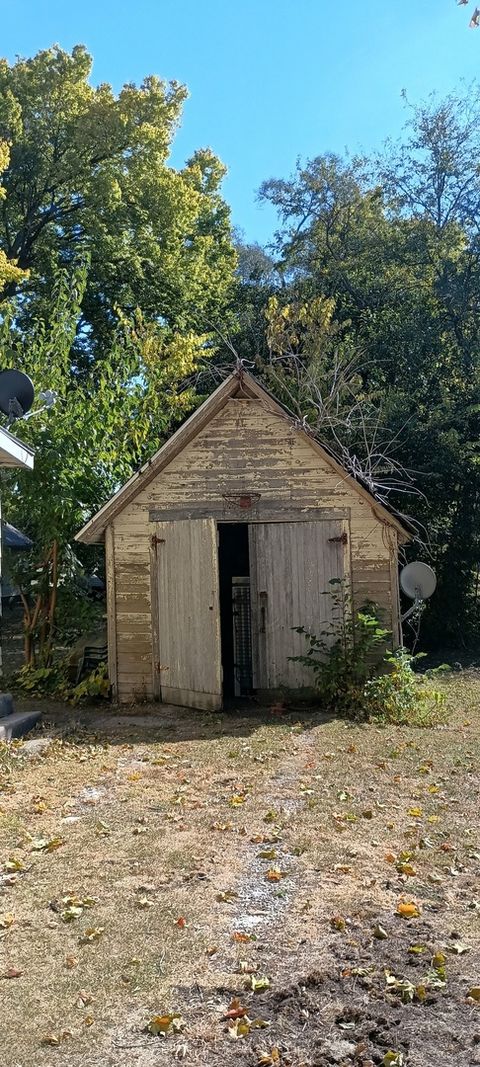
(53, 681)
(357, 679)
(388, 248)
(88, 171)
(401, 696)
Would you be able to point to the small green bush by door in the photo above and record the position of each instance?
(357, 678)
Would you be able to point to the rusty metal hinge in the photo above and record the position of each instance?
(341, 539)
(154, 541)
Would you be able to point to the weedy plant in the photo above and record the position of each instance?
(357, 677)
(54, 681)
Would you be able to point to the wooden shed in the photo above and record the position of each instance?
(224, 542)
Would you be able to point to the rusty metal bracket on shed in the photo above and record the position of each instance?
(154, 541)
(341, 539)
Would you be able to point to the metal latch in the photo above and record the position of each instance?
(341, 539)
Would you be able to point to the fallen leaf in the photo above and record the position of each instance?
(267, 854)
(458, 948)
(91, 934)
(258, 985)
(393, 1059)
(71, 962)
(11, 972)
(84, 998)
(241, 937)
(145, 902)
(416, 813)
(181, 922)
(267, 1059)
(406, 868)
(7, 920)
(474, 994)
(51, 1039)
(13, 864)
(164, 1024)
(239, 1028)
(416, 950)
(338, 922)
(44, 844)
(380, 933)
(235, 1010)
(408, 910)
(226, 897)
(88, 1020)
(274, 874)
(237, 800)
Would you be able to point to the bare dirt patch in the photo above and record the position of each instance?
(175, 861)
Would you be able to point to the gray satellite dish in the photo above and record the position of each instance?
(418, 581)
(16, 393)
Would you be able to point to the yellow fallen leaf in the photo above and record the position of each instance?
(226, 897)
(274, 874)
(416, 813)
(7, 920)
(338, 922)
(13, 864)
(92, 933)
(134, 776)
(408, 910)
(239, 1028)
(44, 844)
(269, 1059)
(474, 994)
(88, 1020)
(237, 800)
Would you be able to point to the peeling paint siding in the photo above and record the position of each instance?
(245, 448)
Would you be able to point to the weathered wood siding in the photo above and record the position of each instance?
(244, 449)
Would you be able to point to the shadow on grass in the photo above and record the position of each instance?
(154, 723)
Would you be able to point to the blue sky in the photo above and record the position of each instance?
(269, 80)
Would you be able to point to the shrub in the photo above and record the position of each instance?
(357, 678)
(53, 681)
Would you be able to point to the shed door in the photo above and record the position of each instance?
(189, 613)
(291, 564)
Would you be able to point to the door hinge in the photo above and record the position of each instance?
(341, 539)
(154, 541)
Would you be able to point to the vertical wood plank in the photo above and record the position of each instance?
(111, 610)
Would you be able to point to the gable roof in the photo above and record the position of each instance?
(14, 453)
(238, 383)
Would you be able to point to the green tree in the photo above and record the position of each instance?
(88, 174)
(394, 243)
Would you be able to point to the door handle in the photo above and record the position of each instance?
(263, 613)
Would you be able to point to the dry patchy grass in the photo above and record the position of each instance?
(206, 851)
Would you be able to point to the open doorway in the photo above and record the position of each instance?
(234, 570)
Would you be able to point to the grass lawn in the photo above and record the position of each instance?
(242, 865)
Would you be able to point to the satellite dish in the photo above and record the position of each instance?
(16, 393)
(418, 580)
